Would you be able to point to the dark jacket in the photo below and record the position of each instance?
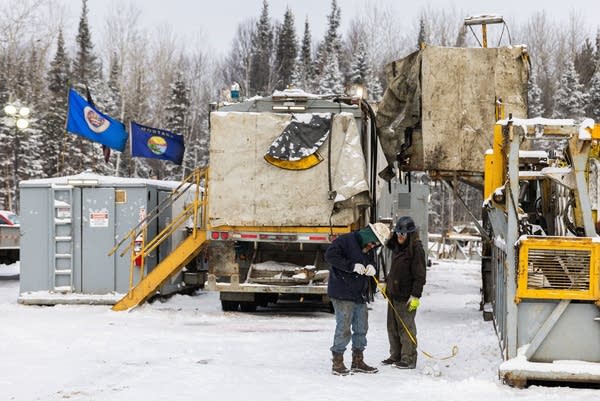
(343, 283)
(407, 273)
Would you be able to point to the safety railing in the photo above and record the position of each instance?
(559, 268)
(134, 241)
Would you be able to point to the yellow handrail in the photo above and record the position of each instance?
(197, 177)
(154, 213)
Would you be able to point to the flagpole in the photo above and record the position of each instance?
(130, 151)
(122, 119)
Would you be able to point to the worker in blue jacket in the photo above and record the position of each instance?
(351, 258)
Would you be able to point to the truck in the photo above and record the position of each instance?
(288, 173)
(9, 237)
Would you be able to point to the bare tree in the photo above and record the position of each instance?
(236, 67)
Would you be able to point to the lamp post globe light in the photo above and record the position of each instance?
(20, 121)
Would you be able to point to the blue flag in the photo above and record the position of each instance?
(85, 120)
(156, 143)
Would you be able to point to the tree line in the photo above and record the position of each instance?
(155, 79)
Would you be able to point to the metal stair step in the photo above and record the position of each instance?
(63, 255)
(63, 271)
(63, 238)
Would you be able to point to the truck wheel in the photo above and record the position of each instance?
(229, 306)
(248, 306)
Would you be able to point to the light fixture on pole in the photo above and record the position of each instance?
(20, 122)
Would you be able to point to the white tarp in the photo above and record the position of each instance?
(245, 190)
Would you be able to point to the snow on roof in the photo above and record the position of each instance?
(537, 121)
(92, 179)
(294, 93)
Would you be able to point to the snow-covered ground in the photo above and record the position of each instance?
(188, 349)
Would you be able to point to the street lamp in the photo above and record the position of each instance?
(20, 122)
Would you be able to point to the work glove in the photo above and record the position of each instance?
(412, 303)
(369, 270)
(359, 268)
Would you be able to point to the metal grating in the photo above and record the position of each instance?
(404, 200)
(563, 269)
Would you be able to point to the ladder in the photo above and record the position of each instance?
(61, 249)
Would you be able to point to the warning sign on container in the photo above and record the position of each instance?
(99, 218)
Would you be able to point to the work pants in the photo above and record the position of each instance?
(402, 347)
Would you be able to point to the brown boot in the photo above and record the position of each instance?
(338, 367)
(359, 365)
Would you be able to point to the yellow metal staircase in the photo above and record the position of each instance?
(176, 260)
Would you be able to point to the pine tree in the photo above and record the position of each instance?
(114, 88)
(303, 73)
(177, 112)
(593, 105)
(86, 75)
(114, 85)
(569, 98)
(31, 142)
(5, 138)
(262, 49)
(461, 38)
(30, 139)
(535, 107)
(422, 39)
(584, 62)
(35, 82)
(136, 108)
(331, 81)
(331, 45)
(56, 139)
(287, 51)
(597, 52)
(362, 73)
(86, 66)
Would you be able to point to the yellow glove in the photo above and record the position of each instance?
(412, 303)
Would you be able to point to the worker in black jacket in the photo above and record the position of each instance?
(351, 258)
(404, 286)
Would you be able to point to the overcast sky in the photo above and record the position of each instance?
(217, 20)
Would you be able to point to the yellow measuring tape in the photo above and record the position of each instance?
(410, 335)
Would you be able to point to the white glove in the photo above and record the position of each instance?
(369, 270)
(359, 268)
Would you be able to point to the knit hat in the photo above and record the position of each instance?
(378, 233)
(367, 235)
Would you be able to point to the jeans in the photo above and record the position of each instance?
(349, 315)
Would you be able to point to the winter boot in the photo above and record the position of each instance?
(359, 365)
(389, 361)
(405, 365)
(338, 368)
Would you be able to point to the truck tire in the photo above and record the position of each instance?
(229, 306)
(248, 306)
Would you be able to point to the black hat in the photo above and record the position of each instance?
(405, 225)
